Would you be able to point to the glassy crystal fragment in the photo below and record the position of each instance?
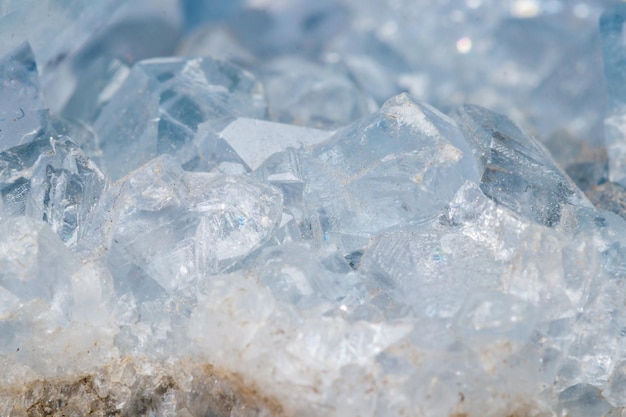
(284, 170)
(400, 165)
(295, 278)
(52, 180)
(20, 96)
(516, 170)
(255, 140)
(167, 228)
(165, 106)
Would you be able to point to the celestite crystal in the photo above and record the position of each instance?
(274, 222)
(170, 106)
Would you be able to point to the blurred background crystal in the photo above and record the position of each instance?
(329, 208)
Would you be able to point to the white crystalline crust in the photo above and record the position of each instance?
(180, 236)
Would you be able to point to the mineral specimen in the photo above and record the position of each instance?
(273, 222)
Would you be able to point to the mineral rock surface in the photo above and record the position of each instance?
(274, 222)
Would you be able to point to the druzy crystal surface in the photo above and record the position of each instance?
(332, 208)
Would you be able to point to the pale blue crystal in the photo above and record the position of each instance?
(516, 170)
(256, 140)
(583, 400)
(243, 261)
(167, 227)
(51, 179)
(162, 108)
(35, 281)
(324, 281)
(489, 318)
(399, 166)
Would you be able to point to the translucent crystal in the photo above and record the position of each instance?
(50, 179)
(255, 140)
(386, 170)
(516, 170)
(164, 103)
(168, 228)
(430, 269)
(616, 389)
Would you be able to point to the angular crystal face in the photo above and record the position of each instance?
(516, 170)
(400, 165)
(164, 105)
(167, 227)
(256, 140)
(52, 180)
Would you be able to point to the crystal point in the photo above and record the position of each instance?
(400, 165)
(168, 106)
(51, 179)
(516, 170)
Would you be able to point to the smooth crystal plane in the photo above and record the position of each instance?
(283, 208)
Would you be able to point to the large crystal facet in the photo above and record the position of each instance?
(516, 170)
(385, 170)
(51, 179)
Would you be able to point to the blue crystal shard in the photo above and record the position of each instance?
(167, 227)
(173, 106)
(35, 282)
(614, 53)
(51, 179)
(256, 140)
(516, 170)
(20, 96)
(398, 166)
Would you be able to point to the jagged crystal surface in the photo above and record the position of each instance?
(50, 179)
(166, 106)
(274, 222)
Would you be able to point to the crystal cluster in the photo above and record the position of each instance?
(248, 208)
